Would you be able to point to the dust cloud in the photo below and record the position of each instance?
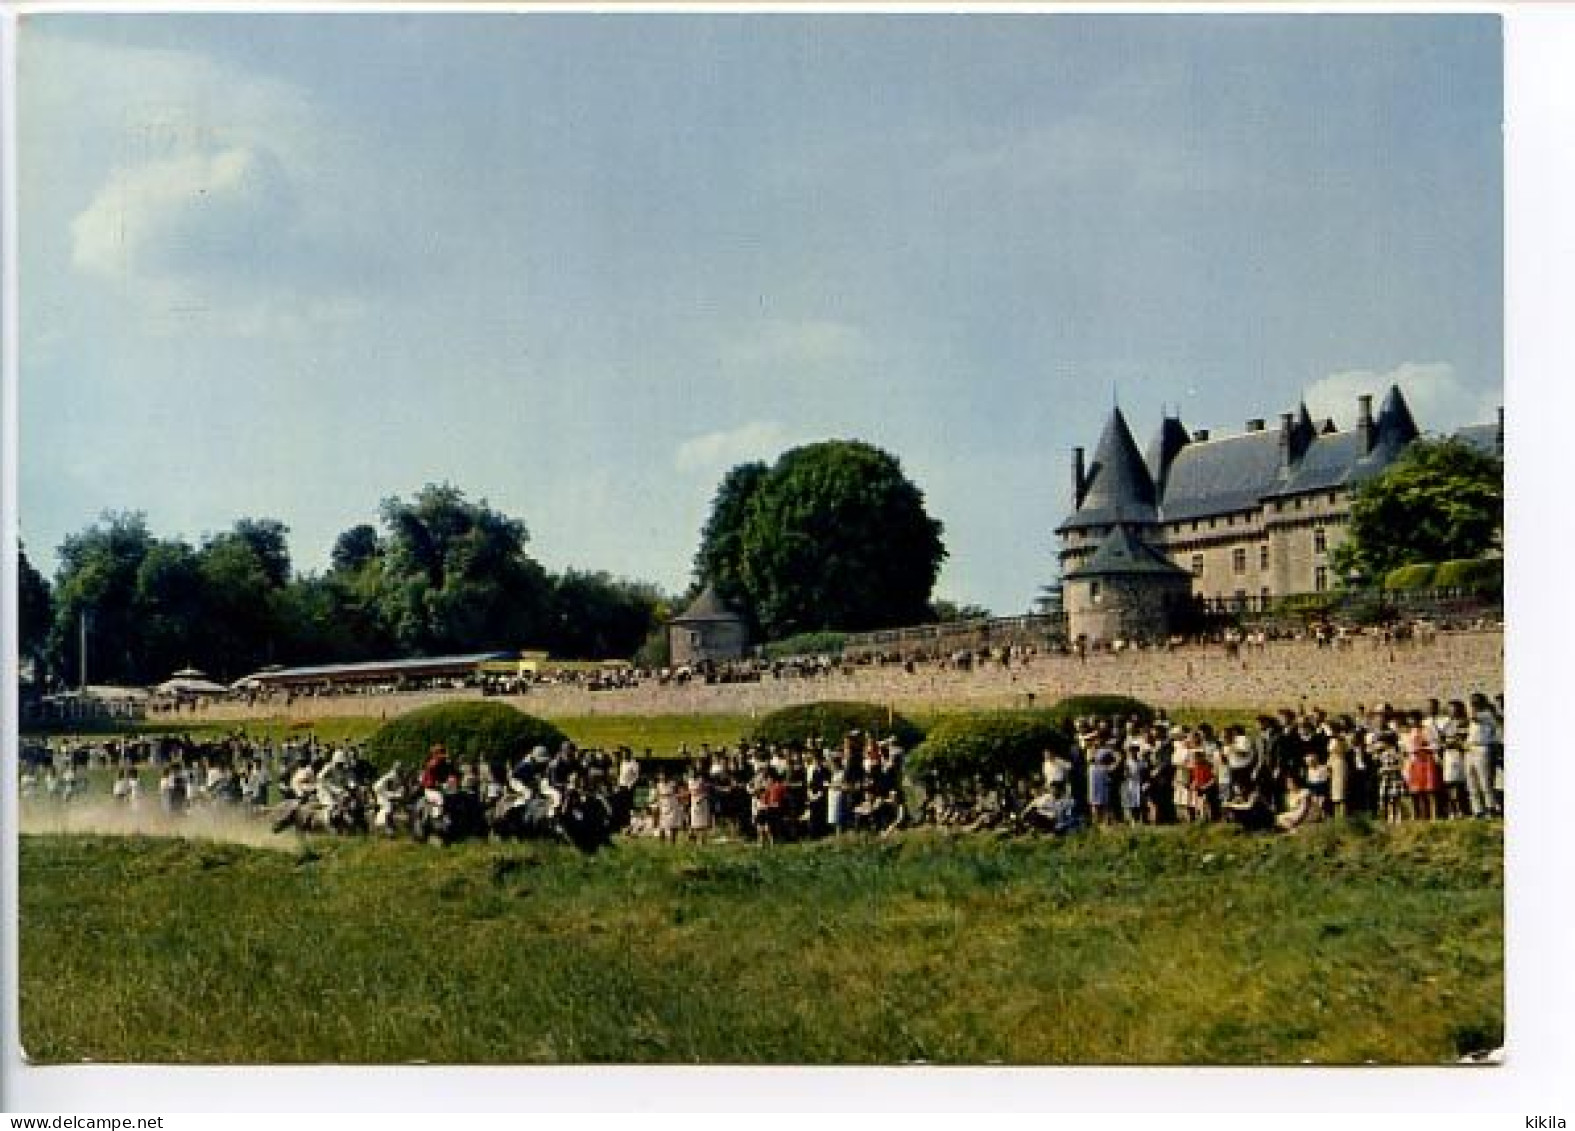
(112, 818)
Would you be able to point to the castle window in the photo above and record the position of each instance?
(1263, 556)
(1197, 565)
(1238, 560)
(1093, 592)
(1320, 540)
(1263, 598)
(1321, 579)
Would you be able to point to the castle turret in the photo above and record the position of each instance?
(1395, 427)
(1117, 487)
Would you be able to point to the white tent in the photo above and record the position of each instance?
(183, 686)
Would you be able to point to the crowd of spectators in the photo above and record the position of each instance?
(1440, 761)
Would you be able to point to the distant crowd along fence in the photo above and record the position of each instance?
(1358, 606)
(1032, 630)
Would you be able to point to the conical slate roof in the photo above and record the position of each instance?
(1170, 439)
(1395, 425)
(1119, 487)
(709, 606)
(1123, 554)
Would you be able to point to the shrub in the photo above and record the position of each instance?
(1418, 576)
(987, 744)
(831, 720)
(470, 730)
(807, 644)
(1104, 706)
(1309, 605)
(1479, 575)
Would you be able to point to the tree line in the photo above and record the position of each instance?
(833, 536)
(441, 574)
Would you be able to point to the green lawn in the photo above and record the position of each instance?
(1183, 945)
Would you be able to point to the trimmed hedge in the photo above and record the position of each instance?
(1480, 575)
(469, 730)
(1419, 576)
(987, 744)
(830, 721)
(825, 643)
(1104, 706)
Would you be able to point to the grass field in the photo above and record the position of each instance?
(663, 734)
(1345, 943)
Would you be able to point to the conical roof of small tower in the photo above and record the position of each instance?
(1123, 554)
(1395, 426)
(708, 607)
(1118, 487)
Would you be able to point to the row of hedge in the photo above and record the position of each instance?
(1476, 575)
(957, 748)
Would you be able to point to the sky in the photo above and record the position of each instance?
(579, 265)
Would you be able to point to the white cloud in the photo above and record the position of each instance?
(207, 199)
(184, 217)
(715, 452)
(1440, 399)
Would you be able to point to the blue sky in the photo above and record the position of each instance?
(580, 265)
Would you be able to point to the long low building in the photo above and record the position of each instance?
(375, 671)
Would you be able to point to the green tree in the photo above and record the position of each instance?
(35, 609)
(96, 586)
(943, 611)
(1441, 500)
(455, 576)
(834, 536)
(598, 617)
(242, 615)
(355, 549)
(169, 613)
(720, 560)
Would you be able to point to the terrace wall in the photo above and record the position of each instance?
(1363, 671)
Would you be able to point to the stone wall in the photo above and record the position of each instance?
(1122, 608)
(1282, 673)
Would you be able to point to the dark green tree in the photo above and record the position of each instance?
(35, 609)
(455, 576)
(170, 611)
(720, 560)
(268, 540)
(599, 617)
(943, 611)
(834, 536)
(1441, 500)
(355, 549)
(96, 588)
(242, 610)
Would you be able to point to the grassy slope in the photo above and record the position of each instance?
(1171, 945)
(662, 733)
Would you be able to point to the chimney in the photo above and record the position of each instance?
(1285, 439)
(1364, 422)
(1200, 436)
(1255, 424)
(1498, 437)
(1077, 478)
